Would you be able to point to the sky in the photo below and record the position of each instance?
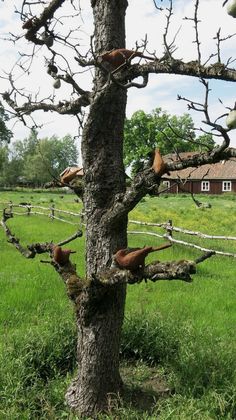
(143, 20)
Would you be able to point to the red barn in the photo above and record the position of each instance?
(216, 178)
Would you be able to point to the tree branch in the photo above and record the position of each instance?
(41, 21)
(74, 284)
(66, 107)
(146, 181)
(173, 270)
(30, 251)
(174, 66)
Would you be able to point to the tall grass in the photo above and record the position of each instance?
(183, 331)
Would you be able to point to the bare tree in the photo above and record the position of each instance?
(99, 298)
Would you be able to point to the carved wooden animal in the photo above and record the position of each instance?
(68, 174)
(61, 256)
(132, 259)
(28, 24)
(116, 58)
(159, 165)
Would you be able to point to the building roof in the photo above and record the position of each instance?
(225, 169)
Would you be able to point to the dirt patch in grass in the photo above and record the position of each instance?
(144, 386)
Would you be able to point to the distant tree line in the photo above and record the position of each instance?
(34, 162)
(5, 137)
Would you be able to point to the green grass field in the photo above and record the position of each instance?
(178, 348)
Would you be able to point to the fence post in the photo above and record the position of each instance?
(28, 209)
(169, 228)
(52, 208)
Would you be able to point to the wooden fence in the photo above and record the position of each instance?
(42, 211)
(168, 227)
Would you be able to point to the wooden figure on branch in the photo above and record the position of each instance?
(69, 174)
(159, 165)
(28, 24)
(133, 259)
(120, 56)
(61, 256)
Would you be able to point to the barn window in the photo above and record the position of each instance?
(166, 184)
(226, 186)
(205, 186)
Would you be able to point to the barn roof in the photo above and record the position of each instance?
(225, 169)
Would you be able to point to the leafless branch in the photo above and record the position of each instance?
(145, 181)
(169, 48)
(219, 40)
(130, 84)
(174, 66)
(196, 24)
(30, 251)
(174, 270)
(42, 21)
(181, 270)
(155, 5)
(66, 107)
(189, 139)
(203, 107)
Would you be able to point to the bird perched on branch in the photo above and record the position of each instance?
(159, 165)
(61, 256)
(28, 24)
(115, 58)
(69, 173)
(133, 259)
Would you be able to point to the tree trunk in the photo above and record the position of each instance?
(100, 313)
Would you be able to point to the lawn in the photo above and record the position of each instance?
(178, 348)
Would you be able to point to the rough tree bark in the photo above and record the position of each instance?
(102, 151)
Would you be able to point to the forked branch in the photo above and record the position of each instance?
(30, 251)
(155, 271)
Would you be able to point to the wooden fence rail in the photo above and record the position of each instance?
(170, 228)
(178, 241)
(51, 212)
(167, 226)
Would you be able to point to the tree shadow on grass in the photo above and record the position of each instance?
(144, 386)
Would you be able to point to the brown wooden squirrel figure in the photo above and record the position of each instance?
(115, 58)
(69, 174)
(133, 259)
(28, 24)
(61, 256)
(159, 165)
